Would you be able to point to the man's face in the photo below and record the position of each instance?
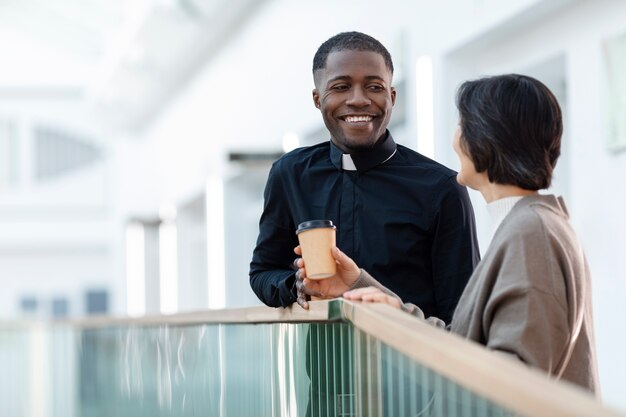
(355, 97)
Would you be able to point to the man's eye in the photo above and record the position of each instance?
(375, 87)
(340, 87)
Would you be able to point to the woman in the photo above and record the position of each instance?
(530, 296)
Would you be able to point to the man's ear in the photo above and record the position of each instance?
(316, 98)
(393, 96)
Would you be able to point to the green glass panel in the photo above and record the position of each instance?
(401, 387)
(274, 369)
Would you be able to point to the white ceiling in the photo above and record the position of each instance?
(126, 58)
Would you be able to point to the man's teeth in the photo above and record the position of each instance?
(355, 119)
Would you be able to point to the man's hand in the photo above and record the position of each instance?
(347, 274)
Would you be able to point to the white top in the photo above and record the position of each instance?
(499, 209)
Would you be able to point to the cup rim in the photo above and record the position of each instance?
(315, 224)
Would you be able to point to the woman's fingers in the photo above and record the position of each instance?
(359, 293)
(340, 257)
(372, 295)
(349, 269)
(368, 294)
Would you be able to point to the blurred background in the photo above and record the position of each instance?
(136, 136)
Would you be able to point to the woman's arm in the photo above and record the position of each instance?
(367, 289)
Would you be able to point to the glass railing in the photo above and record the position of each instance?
(339, 359)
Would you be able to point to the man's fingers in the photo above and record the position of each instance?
(310, 287)
(301, 300)
(297, 263)
(307, 286)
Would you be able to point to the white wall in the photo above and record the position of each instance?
(49, 273)
(593, 174)
(55, 233)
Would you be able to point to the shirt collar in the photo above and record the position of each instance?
(368, 158)
(347, 164)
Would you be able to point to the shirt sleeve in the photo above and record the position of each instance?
(271, 276)
(454, 251)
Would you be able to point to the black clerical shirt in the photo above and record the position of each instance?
(400, 216)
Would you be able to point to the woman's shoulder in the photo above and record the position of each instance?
(534, 213)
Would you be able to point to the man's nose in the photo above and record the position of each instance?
(358, 98)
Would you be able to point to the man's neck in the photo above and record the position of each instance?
(364, 159)
(351, 151)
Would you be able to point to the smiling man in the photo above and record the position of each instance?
(355, 96)
(399, 215)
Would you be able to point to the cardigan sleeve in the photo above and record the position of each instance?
(525, 314)
(366, 280)
(527, 325)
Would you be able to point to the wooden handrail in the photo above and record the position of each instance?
(319, 311)
(504, 381)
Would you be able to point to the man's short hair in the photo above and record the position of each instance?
(511, 127)
(350, 41)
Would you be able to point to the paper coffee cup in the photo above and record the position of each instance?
(316, 238)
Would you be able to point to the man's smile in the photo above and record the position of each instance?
(357, 119)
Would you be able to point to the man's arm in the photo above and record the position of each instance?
(272, 277)
(455, 251)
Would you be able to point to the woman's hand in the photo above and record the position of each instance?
(372, 295)
(347, 274)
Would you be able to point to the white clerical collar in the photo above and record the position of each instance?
(347, 164)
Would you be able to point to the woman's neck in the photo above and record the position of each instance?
(492, 192)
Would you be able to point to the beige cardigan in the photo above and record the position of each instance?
(530, 293)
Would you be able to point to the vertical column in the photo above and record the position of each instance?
(151, 262)
(192, 256)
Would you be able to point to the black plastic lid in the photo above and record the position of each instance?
(314, 224)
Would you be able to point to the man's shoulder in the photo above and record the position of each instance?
(304, 154)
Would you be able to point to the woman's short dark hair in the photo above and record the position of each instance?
(511, 127)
